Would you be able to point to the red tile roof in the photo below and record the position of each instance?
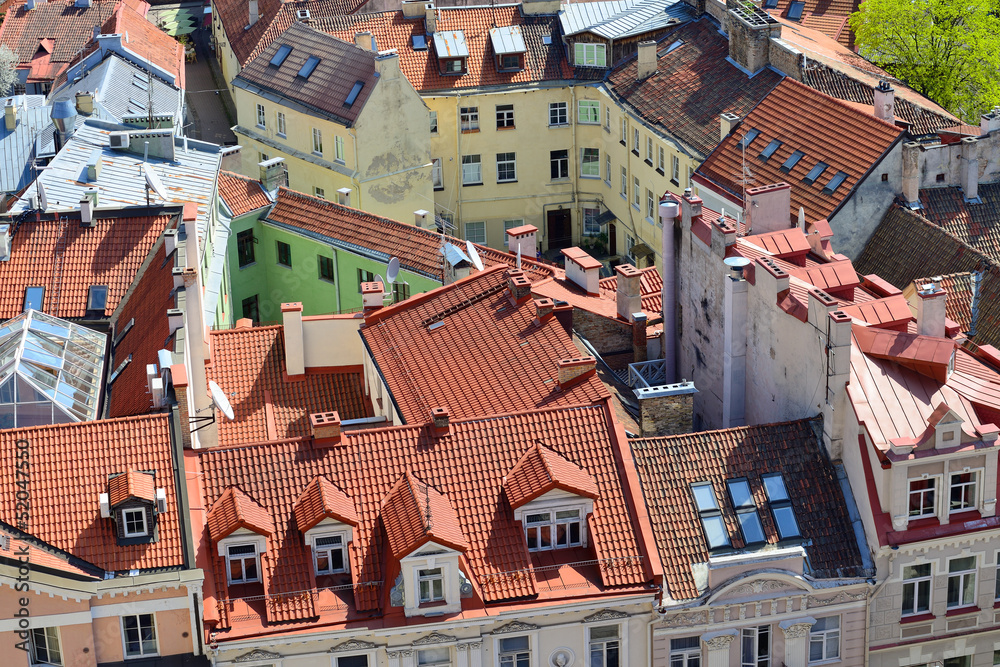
(322, 500)
(414, 514)
(826, 16)
(131, 484)
(46, 560)
(977, 225)
(82, 457)
(65, 258)
(826, 129)
(466, 346)
(467, 467)
(958, 302)
(146, 41)
(668, 466)
(541, 470)
(693, 85)
(249, 365)
(234, 510)
(241, 194)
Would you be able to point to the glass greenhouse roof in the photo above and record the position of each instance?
(50, 371)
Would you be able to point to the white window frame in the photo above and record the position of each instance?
(977, 476)
(624, 139)
(823, 637)
(934, 479)
(50, 634)
(500, 662)
(430, 577)
(480, 241)
(553, 524)
(624, 188)
(561, 112)
(319, 192)
(635, 140)
(636, 192)
(757, 660)
(510, 224)
(963, 577)
(920, 582)
(145, 527)
(588, 112)
(650, 206)
(472, 170)
(437, 663)
(142, 653)
(675, 169)
(660, 162)
(329, 549)
(242, 559)
(649, 150)
(996, 583)
(590, 54)
(437, 174)
(603, 642)
(590, 168)
(338, 148)
(317, 141)
(468, 119)
(685, 657)
(607, 117)
(607, 168)
(280, 122)
(261, 116)
(505, 117)
(434, 122)
(512, 162)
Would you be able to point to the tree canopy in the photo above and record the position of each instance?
(948, 50)
(7, 75)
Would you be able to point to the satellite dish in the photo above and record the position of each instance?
(43, 201)
(153, 182)
(392, 272)
(220, 400)
(378, 279)
(474, 255)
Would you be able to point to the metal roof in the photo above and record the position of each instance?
(450, 44)
(615, 19)
(455, 255)
(507, 40)
(17, 146)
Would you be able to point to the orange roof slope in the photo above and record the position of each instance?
(826, 16)
(668, 466)
(234, 510)
(249, 365)
(415, 514)
(131, 484)
(82, 457)
(825, 129)
(466, 347)
(147, 41)
(467, 466)
(66, 259)
(541, 470)
(241, 194)
(322, 500)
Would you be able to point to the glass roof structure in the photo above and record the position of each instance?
(50, 371)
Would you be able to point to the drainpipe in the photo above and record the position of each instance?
(336, 273)
(458, 152)
(355, 179)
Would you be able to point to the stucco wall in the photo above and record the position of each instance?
(862, 212)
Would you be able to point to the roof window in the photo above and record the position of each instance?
(676, 44)
(97, 298)
(795, 10)
(769, 151)
(835, 182)
(748, 139)
(547, 40)
(34, 298)
(280, 56)
(746, 511)
(419, 42)
(792, 160)
(815, 173)
(140, 83)
(308, 67)
(353, 95)
(770, 4)
(781, 506)
(710, 515)
(303, 14)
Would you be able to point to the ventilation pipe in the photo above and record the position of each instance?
(668, 213)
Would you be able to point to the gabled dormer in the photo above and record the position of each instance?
(240, 528)
(947, 425)
(551, 497)
(133, 502)
(452, 52)
(508, 48)
(326, 517)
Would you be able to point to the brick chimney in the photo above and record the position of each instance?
(911, 171)
(640, 342)
(931, 301)
(885, 102)
(295, 353)
(525, 238)
(750, 31)
(518, 286)
(727, 123)
(768, 208)
(629, 291)
(583, 270)
(969, 168)
(325, 428)
(440, 422)
(544, 309)
(371, 295)
(647, 60)
(574, 371)
(666, 409)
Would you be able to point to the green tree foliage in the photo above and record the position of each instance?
(7, 76)
(949, 50)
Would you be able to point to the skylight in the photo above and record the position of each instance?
(816, 172)
(781, 507)
(419, 42)
(674, 46)
(97, 297)
(769, 151)
(353, 95)
(748, 139)
(770, 4)
(792, 160)
(746, 511)
(308, 67)
(835, 182)
(280, 56)
(795, 10)
(547, 40)
(34, 297)
(710, 515)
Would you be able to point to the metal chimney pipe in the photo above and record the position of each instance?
(668, 213)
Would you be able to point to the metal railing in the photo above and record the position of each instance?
(267, 606)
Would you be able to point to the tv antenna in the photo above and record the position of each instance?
(474, 255)
(220, 402)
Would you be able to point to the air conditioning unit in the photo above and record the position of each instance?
(119, 140)
(161, 501)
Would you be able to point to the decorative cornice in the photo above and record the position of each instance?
(257, 654)
(465, 646)
(843, 596)
(686, 619)
(434, 638)
(515, 626)
(719, 642)
(797, 630)
(353, 645)
(605, 615)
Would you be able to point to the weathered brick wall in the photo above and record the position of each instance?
(667, 415)
(604, 334)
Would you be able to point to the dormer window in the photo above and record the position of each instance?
(134, 522)
(453, 66)
(240, 527)
(329, 554)
(509, 47)
(431, 585)
(710, 514)
(963, 491)
(452, 51)
(510, 62)
(241, 563)
(133, 501)
(781, 507)
(327, 519)
(590, 55)
(556, 529)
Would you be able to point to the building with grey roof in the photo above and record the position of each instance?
(26, 131)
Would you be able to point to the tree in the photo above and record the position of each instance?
(948, 50)
(7, 74)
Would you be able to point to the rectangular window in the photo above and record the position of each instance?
(962, 491)
(607, 117)
(755, 647)
(685, 652)
(317, 141)
(244, 247)
(431, 584)
(922, 497)
(996, 585)
(557, 529)
(140, 635)
(364, 277)
(607, 169)
(588, 112)
(434, 122)
(45, 646)
(748, 138)
(961, 582)
(437, 176)
(284, 254)
(476, 232)
(746, 511)
(505, 116)
(325, 267)
(469, 117)
(649, 151)
(328, 553)
(815, 173)
(509, 61)
(916, 589)
(559, 164)
(434, 657)
(781, 506)
(261, 116)
(400, 292)
(635, 141)
(558, 113)
(352, 661)
(34, 298)
(624, 190)
(134, 522)
(319, 192)
(675, 169)
(510, 224)
(605, 646)
(338, 148)
(792, 160)
(590, 163)
(281, 123)
(250, 308)
(624, 138)
(629, 245)
(660, 159)
(650, 205)
(97, 297)
(590, 225)
(824, 639)
(472, 170)
(242, 562)
(515, 652)
(506, 168)
(710, 514)
(454, 66)
(635, 192)
(590, 55)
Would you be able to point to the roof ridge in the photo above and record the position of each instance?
(153, 416)
(748, 429)
(836, 100)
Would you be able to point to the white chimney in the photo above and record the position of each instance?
(254, 14)
(734, 350)
(10, 115)
(628, 293)
(768, 208)
(668, 213)
(524, 237)
(931, 309)
(4, 242)
(727, 123)
(86, 212)
(647, 60)
(970, 168)
(156, 391)
(272, 173)
(430, 19)
(105, 503)
(295, 353)
(363, 40)
(583, 270)
(161, 501)
(413, 9)
(169, 241)
(420, 218)
(885, 105)
(344, 196)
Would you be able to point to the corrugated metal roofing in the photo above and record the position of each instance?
(507, 40)
(450, 44)
(17, 145)
(615, 19)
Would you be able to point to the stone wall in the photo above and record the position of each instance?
(604, 334)
(667, 415)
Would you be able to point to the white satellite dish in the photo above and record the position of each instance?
(392, 272)
(43, 201)
(153, 182)
(474, 255)
(220, 400)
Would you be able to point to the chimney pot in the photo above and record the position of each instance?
(885, 105)
(325, 428)
(253, 12)
(291, 319)
(518, 286)
(272, 173)
(646, 65)
(430, 18)
(525, 238)
(169, 241)
(86, 213)
(969, 168)
(628, 293)
(440, 422)
(727, 123)
(544, 309)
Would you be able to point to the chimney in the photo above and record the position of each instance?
(750, 30)
(770, 278)
(10, 115)
(931, 309)
(544, 309)
(169, 241)
(911, 172)
(698, 6)
(430, 19)
(885, 104)
(990, 121)
(272, 173)
(768, 208)
(629, 291)
(440, 422)
(295, 353)
(820, 305)
(95, 163)
(371, 295)
(156, 392)
(179, 380)
(564, 316)
(4, 242)
(723, 235)
(86, 213)
(344, 196)
(325, 428)
(583, 270)
(640, 341)
(152, 143)
(85, 103)
(525, 238)
(175, 319)
(734, 350)
(574, 371)
(970, 168)
(420, 218)
(363, 40)
(727, 123)
(387, 65)
(647, 60)
(518, 286)
(413, 9)
(666, 409)
(254, 14)
(668, 214)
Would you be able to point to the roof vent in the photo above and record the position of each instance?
(302, 14)
(161, 501)
(105, 506)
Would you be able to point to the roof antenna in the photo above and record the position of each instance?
(427, 500)
(977, 279)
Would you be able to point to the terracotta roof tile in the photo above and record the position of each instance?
(146, 41)
(958, 302)
(241, 193)
(234, 15)
(541, 470)
(47, 558)
(414, 514)
(668, 466)
(83, 457)
(234, 510)
(322, 500)
(249, 365)
(131, 484)
(978, 225)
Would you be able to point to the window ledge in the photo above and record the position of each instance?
(505, 127)
(282, 135)
(248, 265)
(261, 127)
(470, 131)
(660, 172)
(332, 282)
(439, 188)
(561, 179)
(593, 178)
(635, 152)
(284, 266)
(917, 618)
(502, 182)
(588, 122)
(648, 162)
(317, 154)
(470, 185)
(558, 124)
(623, 144)
(675, 182)
(963, 610)
(828, 661)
